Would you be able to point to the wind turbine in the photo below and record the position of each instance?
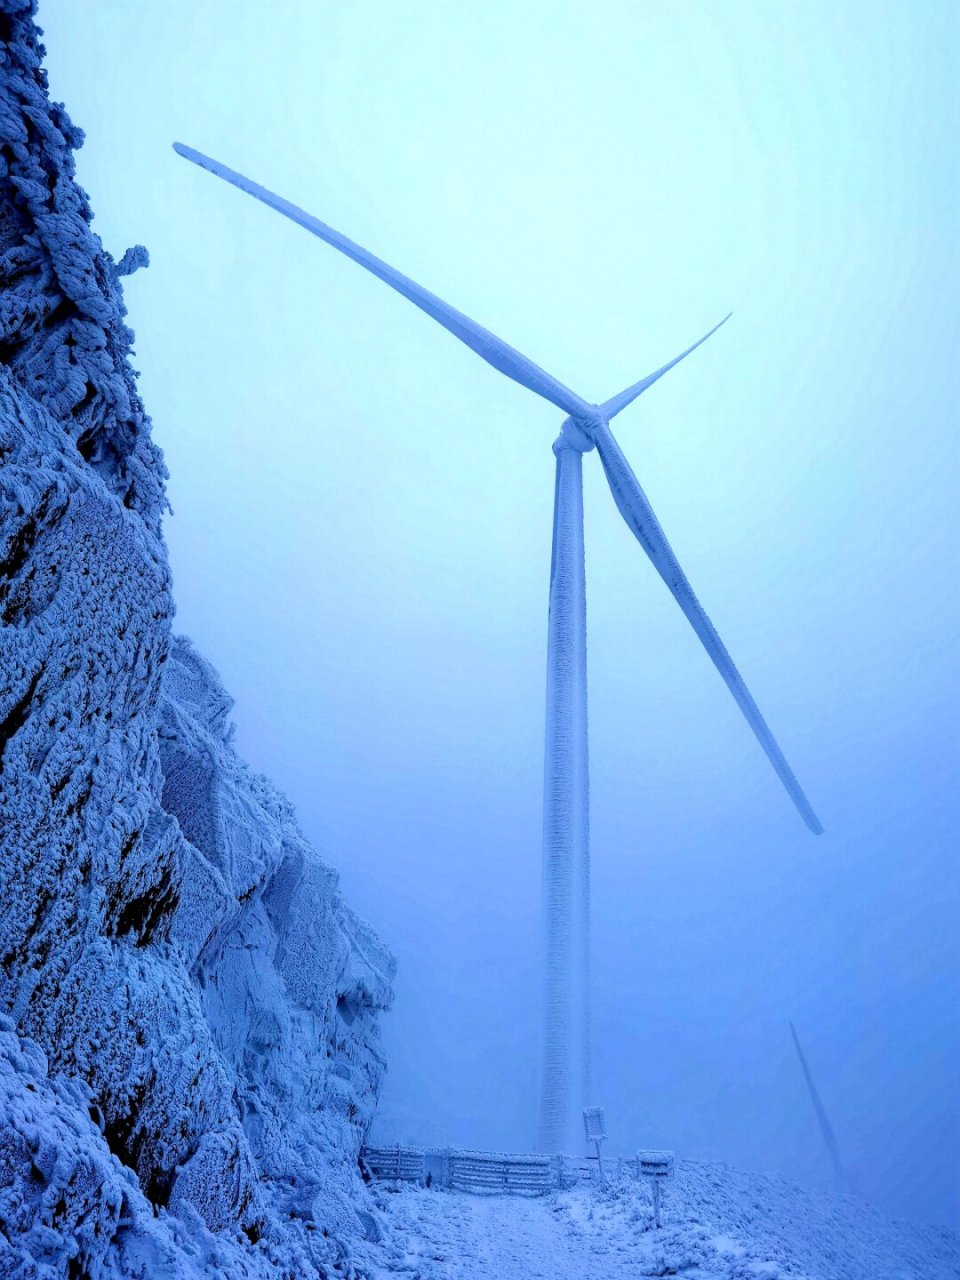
(566, 786)
(826, 1129)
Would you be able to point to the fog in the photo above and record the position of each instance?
(362, 521)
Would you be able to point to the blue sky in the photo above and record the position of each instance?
(361, 535)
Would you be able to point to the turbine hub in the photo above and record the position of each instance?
(577, 433)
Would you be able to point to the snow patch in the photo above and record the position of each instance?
(719, 1224)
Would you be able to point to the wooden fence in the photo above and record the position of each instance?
(402, 1164)
(488, 1171)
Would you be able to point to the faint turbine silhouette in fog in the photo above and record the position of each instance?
(826, 1130)
(566, 784)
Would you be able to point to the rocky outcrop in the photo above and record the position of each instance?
(191, 1046)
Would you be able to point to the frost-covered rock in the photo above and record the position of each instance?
(61, 313)
(172, 951)
(68, 1207)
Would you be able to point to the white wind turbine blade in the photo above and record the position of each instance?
(638, 514)
(612, 407)
(487, 345)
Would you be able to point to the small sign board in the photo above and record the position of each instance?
(655, 1164)
(594, 1125)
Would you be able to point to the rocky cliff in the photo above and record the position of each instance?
(188, 1010)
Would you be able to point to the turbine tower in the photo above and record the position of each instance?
(566, 858)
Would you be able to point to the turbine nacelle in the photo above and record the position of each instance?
(579, 432)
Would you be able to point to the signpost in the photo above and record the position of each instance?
(595, 1130)
(658, 1167)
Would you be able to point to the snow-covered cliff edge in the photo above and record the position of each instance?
(188, 1045)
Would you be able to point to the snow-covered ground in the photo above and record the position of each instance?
(719, 1224)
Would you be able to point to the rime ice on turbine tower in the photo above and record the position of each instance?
(566, 791)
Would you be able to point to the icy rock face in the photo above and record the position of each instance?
(69, 1207)
(61, 313)
(172, 951)
(290, 980)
